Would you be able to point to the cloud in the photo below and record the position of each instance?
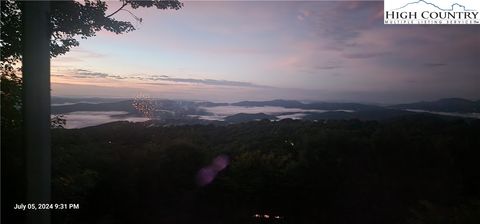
(327, 67)
(156, 83)
(89, 53)
(159, 79)
(343, 21)
(117, 77)
(78, 55)
(214, 82)
(432, 65)
(210, 82)
(82, 73)
(364, 55)
(303, 14)
(334, 46)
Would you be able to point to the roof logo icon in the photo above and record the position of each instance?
(437, 7)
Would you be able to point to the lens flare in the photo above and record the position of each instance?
(207, 174)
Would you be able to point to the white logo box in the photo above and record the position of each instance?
(434, 12)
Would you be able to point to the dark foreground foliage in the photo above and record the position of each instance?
(418, 169)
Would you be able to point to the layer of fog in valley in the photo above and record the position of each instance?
(220, 112)
(81, 119)
(453, 114)
(80, 113)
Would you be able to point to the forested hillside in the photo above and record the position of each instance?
(414, 169)
(417, 169)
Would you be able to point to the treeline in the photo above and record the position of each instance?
(418, 169)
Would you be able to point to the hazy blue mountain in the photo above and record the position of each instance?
(444, 105)
(163, 107)
(242, 117)
(314, 105)
(114, 106)
(341, 106)
(379, 114)
(175, 112)
(56, 100)
(277, 103)
(211, 104)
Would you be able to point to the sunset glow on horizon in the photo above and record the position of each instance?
(230, 51)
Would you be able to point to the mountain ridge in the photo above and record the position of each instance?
(443, 105)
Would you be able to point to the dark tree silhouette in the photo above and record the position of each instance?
(69, 20)
(409, 170)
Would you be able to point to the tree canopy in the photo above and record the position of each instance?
(410, 170)
(69, 20)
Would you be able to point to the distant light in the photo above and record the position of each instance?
(267, 216)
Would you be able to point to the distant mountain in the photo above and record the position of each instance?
(379, 114)
(56, 100)
(275, 103)
(315, 105)
(172, 112)
(242, 117)
(370, 115)
(164, 109)
(211, 104)
(100, 104)
(341, 106)
(114, 106)
(444, 105)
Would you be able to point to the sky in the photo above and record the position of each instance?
(252, 50)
